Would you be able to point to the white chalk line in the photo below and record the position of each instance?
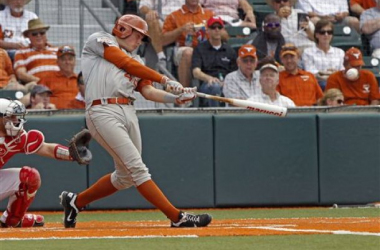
(317, 231)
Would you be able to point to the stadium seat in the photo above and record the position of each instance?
(346, 37)
(372, 64)
(237, 42)
(260, 12)
(10, 94)
(257, 2)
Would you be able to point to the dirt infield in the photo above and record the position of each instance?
(237, 227)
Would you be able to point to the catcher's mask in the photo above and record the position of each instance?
(127, 23)
(13, 114)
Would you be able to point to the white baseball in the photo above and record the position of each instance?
(352, 74)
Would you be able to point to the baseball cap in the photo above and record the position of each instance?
(354, 56)
(214, 20)
(65, 49)
(247, 50)
(269, 66)
(289, 49)
(39, 89)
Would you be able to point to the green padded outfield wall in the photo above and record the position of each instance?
(177, 149)
(56, 175)
(265, 160)
(349, 155)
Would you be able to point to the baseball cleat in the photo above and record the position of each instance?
(71, 211)
(190, 220)
(29, 220)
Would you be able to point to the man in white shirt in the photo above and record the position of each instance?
(269, 79)
(13, 22)
(244, 82)
(335, 11)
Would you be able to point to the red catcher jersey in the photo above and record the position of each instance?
(28, 143)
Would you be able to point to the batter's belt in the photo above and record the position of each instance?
(113, 100)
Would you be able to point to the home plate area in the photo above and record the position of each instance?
(236, 227)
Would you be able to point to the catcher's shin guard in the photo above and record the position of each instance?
(30, 182)
(29, 220)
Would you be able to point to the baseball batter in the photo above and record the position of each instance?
(112, 75)
(21, 184)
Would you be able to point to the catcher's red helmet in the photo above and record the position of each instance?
(124, 25)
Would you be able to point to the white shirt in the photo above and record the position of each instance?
(13, 27)
(168, 6)
(281, 100)
(323, 7)
(236, 85)
(289, 29)
(315, 59)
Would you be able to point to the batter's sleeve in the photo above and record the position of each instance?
(142, 83)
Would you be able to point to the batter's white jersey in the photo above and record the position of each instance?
(104, 79)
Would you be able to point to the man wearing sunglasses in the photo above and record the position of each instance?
(13, 21)
(32, 64)
(295, 25)
(212, 61)
(269, 42)
(361, 90)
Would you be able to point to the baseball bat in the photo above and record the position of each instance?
(254, 106)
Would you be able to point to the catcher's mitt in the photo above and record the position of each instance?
(78, 147)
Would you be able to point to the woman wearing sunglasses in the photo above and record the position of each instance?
(323, 59)
(332, 97)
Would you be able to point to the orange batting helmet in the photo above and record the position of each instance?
(124, 25)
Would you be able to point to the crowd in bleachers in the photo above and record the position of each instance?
(303, 48)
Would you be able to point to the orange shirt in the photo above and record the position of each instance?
(37, 62)
(359, 92)
(302, 88)
(366, 4)
(182, 16)
(6, 68)
(64, 88)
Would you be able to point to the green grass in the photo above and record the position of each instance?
(292, 242)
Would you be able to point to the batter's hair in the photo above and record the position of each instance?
(329, 95)
(320, 25)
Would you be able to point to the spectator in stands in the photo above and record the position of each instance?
(335, 11)
(40, 98)
(78, 102)
(370, 26)
(323, 59)
(13, 22)
(154, 12)
(269, 79)
(33, 63)
(212, 61)
(295, 25)
(300, 86)
(228, 11)
(244, 82)
(359, 6)
(185, 27)
(63, 83)
(362, 90)
(332, 97)
(269, 42)
(8, 78)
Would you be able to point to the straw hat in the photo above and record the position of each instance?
(35, 24)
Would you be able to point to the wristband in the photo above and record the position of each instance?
(62, 153)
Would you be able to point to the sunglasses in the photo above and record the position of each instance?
(214, 27)
(340, 101)
(66, 50)
(272, 25)
(38, 33)
(248, 60)
(279, 1)
(325, 32)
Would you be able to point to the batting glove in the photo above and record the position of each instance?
(184, 98)
(174, 87)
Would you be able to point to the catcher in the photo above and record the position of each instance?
(20, 185)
